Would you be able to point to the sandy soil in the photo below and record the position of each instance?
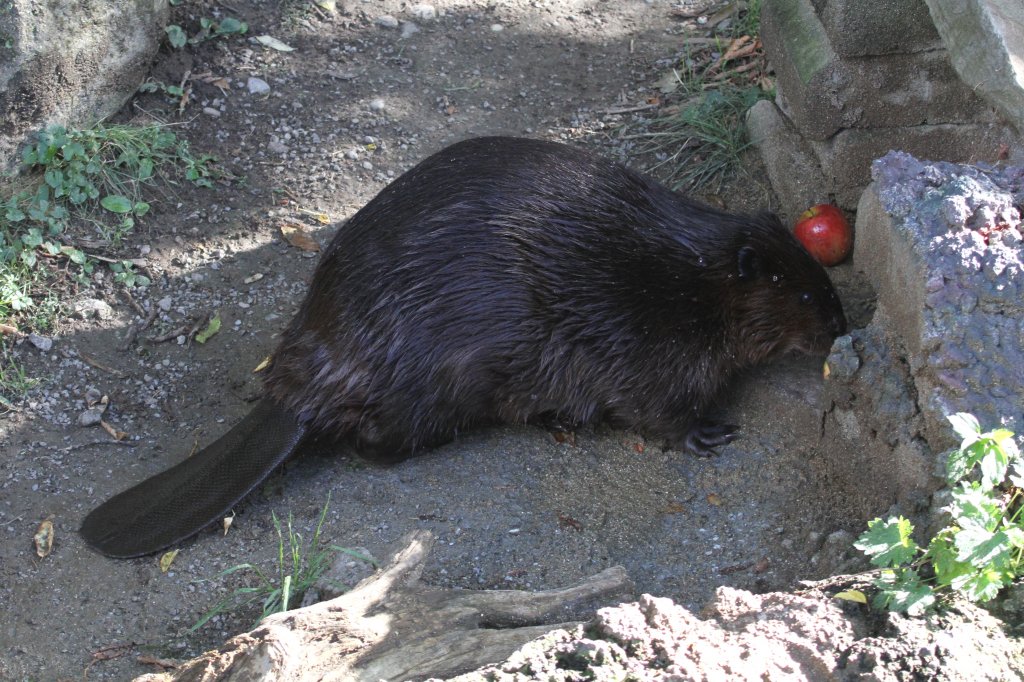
(355, 104)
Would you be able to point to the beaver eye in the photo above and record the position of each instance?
(807, 298)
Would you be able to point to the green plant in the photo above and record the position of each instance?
(297, 570)
(82, 189)
(208, 28)
(980, 551)
(14, 383)
(151, 85)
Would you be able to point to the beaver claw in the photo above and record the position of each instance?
(704, 436)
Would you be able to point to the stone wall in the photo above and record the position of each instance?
(855, 80)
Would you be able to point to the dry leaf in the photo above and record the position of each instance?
(826, 371)
(44, 538)
(715, 499)
(675, 508)
(226, 523)
(166, 559)
(852, 595)
(299, 238)
(264, 363)
(274, 43)
(114, 433)
(8, 329)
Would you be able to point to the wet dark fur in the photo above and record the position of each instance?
(503, 279)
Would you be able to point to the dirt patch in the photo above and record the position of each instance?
(358, 101)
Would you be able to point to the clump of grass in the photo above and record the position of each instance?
(701, 144)
(14, 382)
(297, 570)
(701, 141)
(82, 191)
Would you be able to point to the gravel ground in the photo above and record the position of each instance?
(367, 92)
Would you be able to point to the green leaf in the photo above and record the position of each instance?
(888, 542)
(944, 560)
(176, 36)
(53, 177)
(983, 548)
(994, 462)
(966, 426)
(116, 203)
(232, 25)
(902, 590)
(981, 586)
(974, 506)
(141, 208)
(212, 328)
(145, 168)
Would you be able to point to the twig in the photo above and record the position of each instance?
(98, 365)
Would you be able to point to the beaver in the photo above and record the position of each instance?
(498, 281)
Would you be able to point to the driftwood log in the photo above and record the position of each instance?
(393, 627)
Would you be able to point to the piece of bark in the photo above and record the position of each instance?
(392, 627)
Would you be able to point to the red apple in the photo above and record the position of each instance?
(825, 233)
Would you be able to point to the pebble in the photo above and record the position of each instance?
(275, 145)
(377, 104)
(497, 28)
(352, 154)
(409, 29)
(164, 304)
(367, 165)
(387, 21)
(43, 343)
(257, 86)
(88, 308)
(423, 11)
(210, 111)
(92, 416)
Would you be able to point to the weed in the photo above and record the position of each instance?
(981, 550)
(208, 29)
(14, 383)
(83, 189)
(700, 143)
(297, 571)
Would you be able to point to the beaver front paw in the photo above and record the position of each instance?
(704, 436)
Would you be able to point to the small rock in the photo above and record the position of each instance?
(88, 308)
(275, 145)
(92, 416)
(423, 11)
(164, 304)
(352, 154)
(367, 165)
(409, 29)
(43, 343)
(497, 28)
(210, 111)
(387, 21)
(377, 104)
(257, 86)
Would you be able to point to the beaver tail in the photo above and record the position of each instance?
(178, 503)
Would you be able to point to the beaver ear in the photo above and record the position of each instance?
(748, 263)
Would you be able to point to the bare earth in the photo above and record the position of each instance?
(353, 106)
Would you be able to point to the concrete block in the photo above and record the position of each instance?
(953, 299)
(846, 159)
(985, 39)
(825, 93)
(881, 27)
(792, 166)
